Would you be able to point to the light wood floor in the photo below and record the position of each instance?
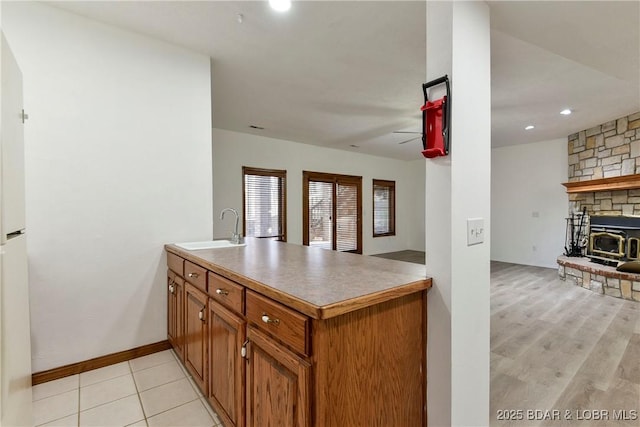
(556, 346)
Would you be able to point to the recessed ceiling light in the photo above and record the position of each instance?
(256, 127)
(280, 5)
(529, 127)
(566, 112)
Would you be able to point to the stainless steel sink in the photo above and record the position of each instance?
(211, 244)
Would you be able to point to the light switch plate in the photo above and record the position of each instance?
(475, 231)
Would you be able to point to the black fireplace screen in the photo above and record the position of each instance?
(614, 237)
(607, 244)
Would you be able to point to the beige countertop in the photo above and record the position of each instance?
(318, 282)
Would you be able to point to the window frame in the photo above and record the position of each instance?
(391, 185)
(278, 173)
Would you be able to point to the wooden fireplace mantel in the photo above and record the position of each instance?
(626, 182)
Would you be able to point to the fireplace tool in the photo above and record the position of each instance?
(575, 245)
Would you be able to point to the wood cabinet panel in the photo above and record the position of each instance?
(175, 263)
(277, 384)
(175, 312)
(195, 346)
(286, 325)
(226, 364)
(370, 366)
(195, 275)
(226, 292)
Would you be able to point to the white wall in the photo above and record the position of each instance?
(458, 188)
(232, 150)
(528, 203)
(118, 162)
(417, 170)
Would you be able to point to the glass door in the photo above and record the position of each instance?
(332, 211)
(320, 230)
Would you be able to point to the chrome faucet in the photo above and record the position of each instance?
(235, 236)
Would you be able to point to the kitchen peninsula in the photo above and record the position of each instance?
(287, 335)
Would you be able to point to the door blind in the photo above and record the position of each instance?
(320, 214)
(346, 217)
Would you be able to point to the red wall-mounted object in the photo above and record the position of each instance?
(436, 121)
(432, 131)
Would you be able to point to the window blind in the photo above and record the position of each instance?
(383, 208)
(264, 203)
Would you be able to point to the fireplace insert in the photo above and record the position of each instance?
(614, 238)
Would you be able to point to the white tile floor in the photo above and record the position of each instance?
(153, 390)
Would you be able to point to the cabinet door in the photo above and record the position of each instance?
(226, 365)
(195, 334)
(175, 320)
(277, 384)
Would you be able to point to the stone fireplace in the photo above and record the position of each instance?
(608, 150)
(604, 178)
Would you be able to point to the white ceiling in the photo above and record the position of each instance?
(550, 55)
(347, 73)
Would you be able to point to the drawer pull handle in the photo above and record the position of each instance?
(267, 319)
(222, 292)
(193, 275)
(201, 314)
(171, 289)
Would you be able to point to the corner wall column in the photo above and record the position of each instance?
(458, 188)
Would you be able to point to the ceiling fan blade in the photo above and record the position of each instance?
(409, 140)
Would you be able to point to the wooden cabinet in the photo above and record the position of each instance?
(278, 384)
(175, 264)
(262, 361)
(370, 365)
(284, 324)
(226, 292)
(278, 372)
(195, 331)
(226, 363)
(175, 318)
(195, 275)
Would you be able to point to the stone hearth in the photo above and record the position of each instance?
(599, 278)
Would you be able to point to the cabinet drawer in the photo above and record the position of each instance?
(283, 323)
(175, 263)
(195, 275)
(226, 292)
